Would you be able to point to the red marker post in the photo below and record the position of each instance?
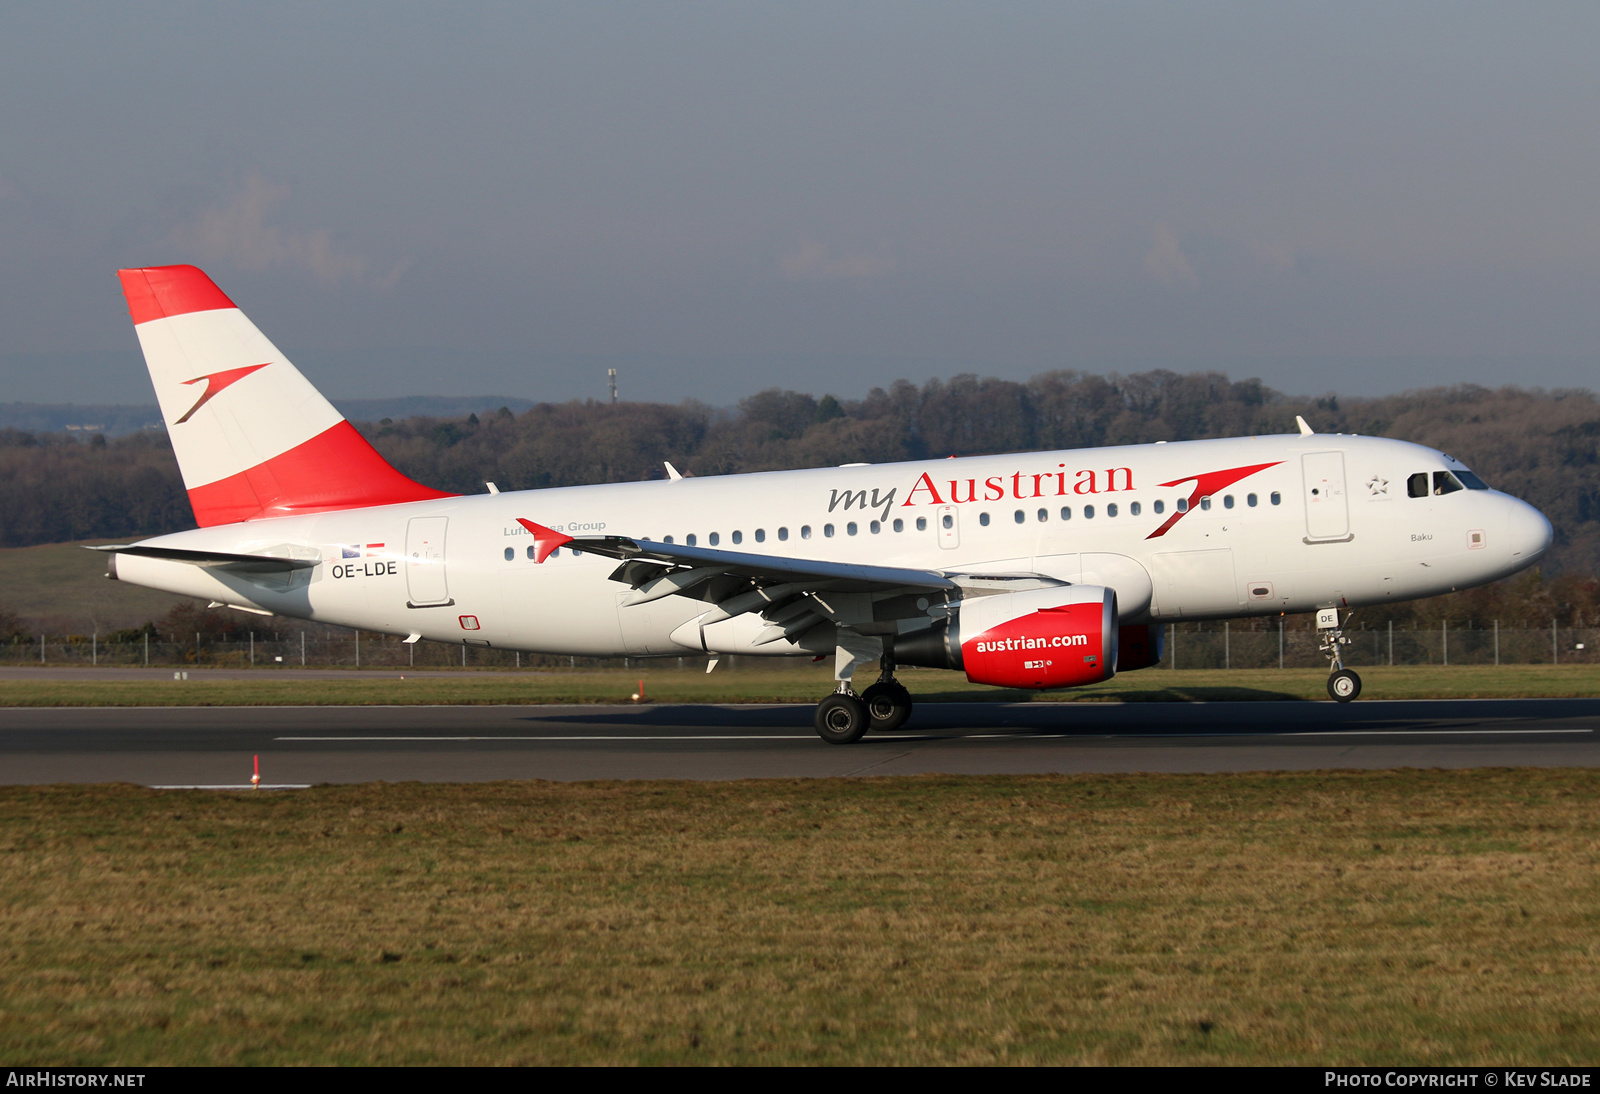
(255, 780)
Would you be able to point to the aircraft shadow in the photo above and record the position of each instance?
(1263, 715)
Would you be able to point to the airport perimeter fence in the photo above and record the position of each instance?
(1294, 645)
(1243, 645)
(310, 647)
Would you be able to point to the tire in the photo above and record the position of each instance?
(1344, 686)
(842, 719)
(888, 705)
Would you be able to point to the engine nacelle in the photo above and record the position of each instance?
(1043, 638)
(1140, 646)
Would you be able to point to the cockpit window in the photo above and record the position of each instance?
(1471, 481)
(1417, 485)
(1445, 483)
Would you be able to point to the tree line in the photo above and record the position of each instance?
(1543, 446)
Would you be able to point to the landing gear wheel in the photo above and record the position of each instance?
(842, 719)
(888, 705)
(1344, 686)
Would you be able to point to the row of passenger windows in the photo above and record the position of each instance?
(1134, 508)
(1020, 516)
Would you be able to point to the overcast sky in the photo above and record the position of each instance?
(717, 198)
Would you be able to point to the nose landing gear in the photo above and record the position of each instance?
(1343, 684)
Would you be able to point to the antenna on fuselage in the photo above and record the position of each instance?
(1305, 430)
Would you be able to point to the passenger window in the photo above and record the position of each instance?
(805, 531)
(1276, 497)
(1133, 508)
(738, 537)
(666, 539)
(1019, 517)
(922, 524)
(689, 539)
(875, 527)
(1417, 485)
(1445, 483)
(511, 553)
(761, 535)
(949, 521)
(1205, 502)
(850, 529)
(783, 534)
(1250, 500)
(533, 554)
(1183, 505)
(1066, 512)
(827, 531)
(1111, 510)
(1160, 507)
(1227, 501)
(715, 539)
(1088, 512)
(1044, 515)
(983, 519)
(899, 525)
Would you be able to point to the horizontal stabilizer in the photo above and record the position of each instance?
(216, 560)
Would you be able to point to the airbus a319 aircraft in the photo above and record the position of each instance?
(1031, 570)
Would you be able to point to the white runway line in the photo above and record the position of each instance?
(1424, 732)
(718, 737)
(964, 737)
(236, 786)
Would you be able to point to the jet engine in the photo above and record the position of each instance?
(1042, 638)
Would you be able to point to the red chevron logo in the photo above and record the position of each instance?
(1205, 485)
(215, 382)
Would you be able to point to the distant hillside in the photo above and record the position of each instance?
(1542, 446)
(118, 421)
(114, 421)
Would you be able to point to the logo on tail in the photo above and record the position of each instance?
(215, 382)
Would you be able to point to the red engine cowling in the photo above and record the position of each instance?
(1043, 638)
(1140, 646)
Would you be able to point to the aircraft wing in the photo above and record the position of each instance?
(791, 593)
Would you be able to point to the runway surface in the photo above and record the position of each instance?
(213, 746)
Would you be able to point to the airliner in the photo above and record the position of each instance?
(1030, 570)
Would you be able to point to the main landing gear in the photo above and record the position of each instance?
(844, 717)
(1343, 684)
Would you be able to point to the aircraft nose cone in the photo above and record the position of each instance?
(1528, 532)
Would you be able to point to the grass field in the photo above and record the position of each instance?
(1327, 918)
(755, 685)
(66, 586)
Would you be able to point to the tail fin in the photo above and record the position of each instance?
(253, 437)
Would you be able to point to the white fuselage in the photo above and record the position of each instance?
(1328, 523)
